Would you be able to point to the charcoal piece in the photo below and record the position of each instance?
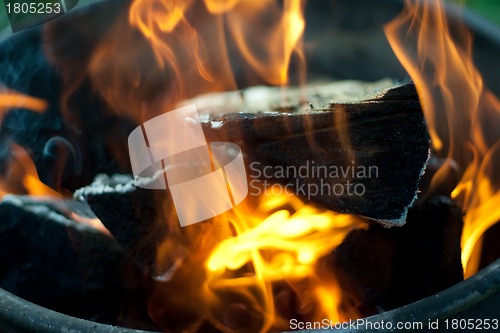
(136, 217)
(52, 260)
(382, 269)
(363, 158)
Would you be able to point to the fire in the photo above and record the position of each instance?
(254, 263)
(21, 175)
(155, 18)
(269, 55)
(276, 241)
(302, 237)
(10, 99)
(248, 251)
(280, 245)
(266, 47)
(458, 110)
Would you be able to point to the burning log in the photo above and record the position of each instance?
(47, 257)
(387, 268)
(387, 132)
(363, 158)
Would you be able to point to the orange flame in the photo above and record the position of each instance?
(267, 48)
(247, 251)
(456, 108)
(269, 55)
(251, 260)
(21, 175)
(10, 99)
(154, 18)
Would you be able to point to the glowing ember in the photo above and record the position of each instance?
(262, 245)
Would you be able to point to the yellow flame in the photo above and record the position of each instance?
(456, 108)
(282, 246)
(330, 297)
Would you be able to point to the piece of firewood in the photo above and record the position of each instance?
(387, 132)
(363, 157)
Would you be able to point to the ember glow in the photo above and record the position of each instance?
(458, 109)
